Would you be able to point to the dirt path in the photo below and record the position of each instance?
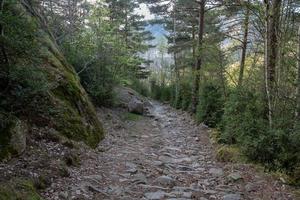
(165, 156)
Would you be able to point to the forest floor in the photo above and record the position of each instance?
(164, 155)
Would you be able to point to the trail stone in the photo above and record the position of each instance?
(136, 106)
(155, 195)
(216, 172)
(250, 187)
(235, 176)
(232, 197)
(140, 179)
(187, 194)
(158, 163)
(165, 181)
(63, 195)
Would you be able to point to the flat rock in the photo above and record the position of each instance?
(140, 179)
(251, 187)
(155, 195)
(216, 172)
(232, 197)
(235, 176)
(165, 181)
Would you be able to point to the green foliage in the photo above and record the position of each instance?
(131, 117)
(227, 153)
(17, 189)
(22, 80)
(210, 107)
(140, 86)
(244, 123)
(243, 116)
(38, 84)
(98, 82)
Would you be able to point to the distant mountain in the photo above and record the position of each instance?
(157, 30)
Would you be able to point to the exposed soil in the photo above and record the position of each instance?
(161, 156)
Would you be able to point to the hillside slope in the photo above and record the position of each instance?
(62, 105)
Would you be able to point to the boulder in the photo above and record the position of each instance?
(131, 100)
(136, 106)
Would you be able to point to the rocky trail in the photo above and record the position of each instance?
(163, 155)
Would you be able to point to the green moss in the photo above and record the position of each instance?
(18, 189)
(131, 117)
(7, 123)
(294, 178)
(73, 114)
(229, 154)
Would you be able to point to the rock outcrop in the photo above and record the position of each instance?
(66, 105)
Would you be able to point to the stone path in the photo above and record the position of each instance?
(165, 156)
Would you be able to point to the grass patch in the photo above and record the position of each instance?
(226, 153)
(19, 189)
(131, 117)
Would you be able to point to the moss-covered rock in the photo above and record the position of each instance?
(65, 106)
(12, 136)
(19, 189)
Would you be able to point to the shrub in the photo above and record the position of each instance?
(210, 107)
(98, 83)
(244, 123)
(243, 117)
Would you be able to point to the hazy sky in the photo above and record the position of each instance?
(143, 10)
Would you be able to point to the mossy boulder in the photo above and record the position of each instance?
(65, 106)
(19, 189)
(12, 136)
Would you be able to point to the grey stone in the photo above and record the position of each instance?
(157, 163)
(232, 197)
(140, 179)
(187, 195)
(216, 172)
(136, 106)
(116, 190)
(235, 176)
(63, 195)
(155, 195)
(165, 181)
(250, 187)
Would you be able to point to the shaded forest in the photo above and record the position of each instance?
(232, 65)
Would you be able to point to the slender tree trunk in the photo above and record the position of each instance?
(177, 78)
(195, 92)
(2, 47)
(244, 46)
(271, 52)
(297, 113)
(193, 39)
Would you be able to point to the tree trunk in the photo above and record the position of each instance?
(271, 52)
(177, 79)
(244, 46)
(297, 113)
(198, 64)
(2, 47)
